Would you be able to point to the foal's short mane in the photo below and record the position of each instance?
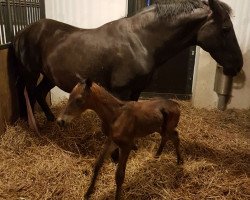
(173, 8)
(104, 95)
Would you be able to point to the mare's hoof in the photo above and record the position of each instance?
(51, 118)
(115, 156)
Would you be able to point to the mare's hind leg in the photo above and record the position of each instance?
(174, 137)
(30, 83)
(41, 92)
(21, 99)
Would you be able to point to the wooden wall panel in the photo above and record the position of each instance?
(8, 93)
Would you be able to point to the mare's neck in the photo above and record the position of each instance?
(104, 104)
(165, 37)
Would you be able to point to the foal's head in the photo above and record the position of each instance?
(79, 101)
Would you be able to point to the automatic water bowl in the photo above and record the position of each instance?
(223, 87)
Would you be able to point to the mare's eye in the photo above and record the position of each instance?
(226, 29)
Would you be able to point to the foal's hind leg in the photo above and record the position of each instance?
(41, 92)
(164, 135)
(174, 137)
(163, 143)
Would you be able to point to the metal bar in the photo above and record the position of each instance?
(32, 11)
(14, 16)
(2, 28)
(42, 9)
(25, 13)
(18, 14)
(148, 2)
(28, 12)
(9, 27)
(36, 11)
(39, 11)
(20, 17)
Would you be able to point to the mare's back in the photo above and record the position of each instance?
(40, 34)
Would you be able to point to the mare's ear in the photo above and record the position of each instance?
(88, 82)
(218, 13)
(80, 78)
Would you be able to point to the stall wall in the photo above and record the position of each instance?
(84, 14)
(203, 94)
(9, 111)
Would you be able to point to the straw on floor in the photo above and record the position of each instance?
(57, 164)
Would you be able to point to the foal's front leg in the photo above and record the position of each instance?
(120, 172)
(97, 167)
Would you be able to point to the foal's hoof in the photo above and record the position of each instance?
(86, 197)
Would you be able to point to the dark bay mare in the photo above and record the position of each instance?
(122, 55)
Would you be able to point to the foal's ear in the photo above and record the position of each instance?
(88, 82)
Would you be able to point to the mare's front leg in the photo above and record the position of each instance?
(41, 92)
(97, 167)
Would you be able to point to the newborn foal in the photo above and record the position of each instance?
(122, 122)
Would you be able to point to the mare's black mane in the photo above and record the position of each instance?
(173, 8)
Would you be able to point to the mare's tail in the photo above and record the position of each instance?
(23, 104)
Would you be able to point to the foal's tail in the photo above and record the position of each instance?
(171, 117)
(165, 119)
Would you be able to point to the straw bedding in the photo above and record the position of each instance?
(57, 164)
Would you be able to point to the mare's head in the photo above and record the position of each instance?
(217, 37)
(79, 101)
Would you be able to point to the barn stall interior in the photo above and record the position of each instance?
(57, 163)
